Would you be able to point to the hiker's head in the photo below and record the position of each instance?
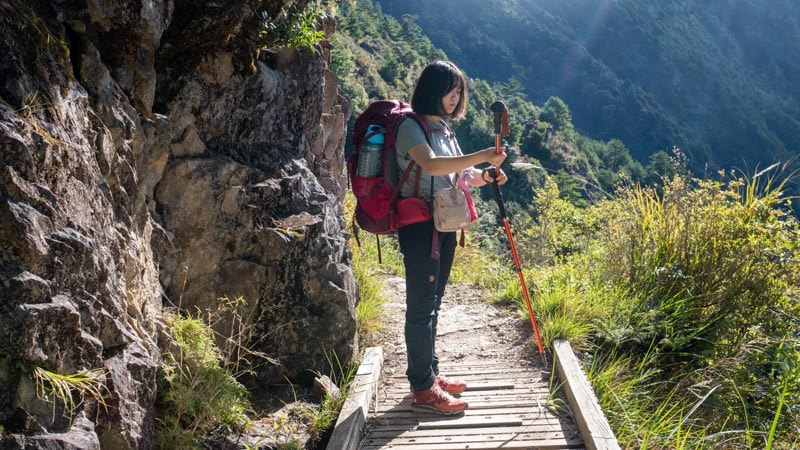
(440, 85)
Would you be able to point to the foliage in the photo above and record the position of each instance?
(325, 416)
(375, 56)
(690, 298)
(560, 230)
(295, 26)
(707, 76)
(557, 113)
(197, 395)
(55, 387)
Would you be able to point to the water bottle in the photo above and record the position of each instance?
(371, 156)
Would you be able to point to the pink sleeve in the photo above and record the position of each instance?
(472, 177)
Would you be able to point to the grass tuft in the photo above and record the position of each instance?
(54, 387)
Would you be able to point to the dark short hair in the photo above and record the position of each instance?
(436, 80)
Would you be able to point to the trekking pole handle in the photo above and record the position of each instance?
(489, 175)
(500, 113)
(498, 110)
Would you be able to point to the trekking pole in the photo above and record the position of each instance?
(501, 129)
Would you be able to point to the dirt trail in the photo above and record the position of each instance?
(470, 328)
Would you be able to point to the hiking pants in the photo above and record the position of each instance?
(426, 278)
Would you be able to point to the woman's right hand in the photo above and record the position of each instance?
(493, 158)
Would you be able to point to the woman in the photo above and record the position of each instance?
(440, 94)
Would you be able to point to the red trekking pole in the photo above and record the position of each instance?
(501, 129)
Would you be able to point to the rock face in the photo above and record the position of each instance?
(151, 157)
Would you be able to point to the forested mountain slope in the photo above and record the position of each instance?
(717, 79)
(376, 56)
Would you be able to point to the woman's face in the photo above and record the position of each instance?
(451, 99)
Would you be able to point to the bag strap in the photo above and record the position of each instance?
(425, 129)
(416, 182)
(403, 178)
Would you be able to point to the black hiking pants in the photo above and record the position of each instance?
(426, 278)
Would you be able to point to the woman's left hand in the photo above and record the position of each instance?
(500, 176)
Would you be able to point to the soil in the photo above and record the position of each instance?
(470, 329)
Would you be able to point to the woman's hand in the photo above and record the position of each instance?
(499, 175)
(493, 158)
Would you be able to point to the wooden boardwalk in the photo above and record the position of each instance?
(515, 402)
(509, 407)
(512, 405)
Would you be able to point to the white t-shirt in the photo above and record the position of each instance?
(443, 142)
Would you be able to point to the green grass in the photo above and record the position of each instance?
(644, 410)
(686, 303)
(325, 416)
(472, 265)
(368, 275)
(368, 272)
(197, 395)
(55, 387)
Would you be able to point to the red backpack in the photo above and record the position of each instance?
(377, 196)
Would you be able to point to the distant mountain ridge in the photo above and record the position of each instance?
(717, 79)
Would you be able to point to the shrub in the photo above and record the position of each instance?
(295, 26)
(711, 269)
(685, 298)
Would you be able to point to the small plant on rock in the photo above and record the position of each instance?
(198, 395)
(55, 387)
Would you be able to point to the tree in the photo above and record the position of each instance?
(557, 113)
(659, 167)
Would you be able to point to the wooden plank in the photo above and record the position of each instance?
(502, 395)
(589, 416)
(414, 420)
(485, 385)
(495, 365)
(524, 411)
(352, 418)
(456, 439)
(500, 372)
(493, 385)
(526, 396)
(513, 362)
(480, 384)
(472, 422)
(531, 405)
(529, 431)
(480, 408)
(543, 444)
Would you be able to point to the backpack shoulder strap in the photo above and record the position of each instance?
(422, 123)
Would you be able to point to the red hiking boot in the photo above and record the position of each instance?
(437, 401)
(450, 385)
